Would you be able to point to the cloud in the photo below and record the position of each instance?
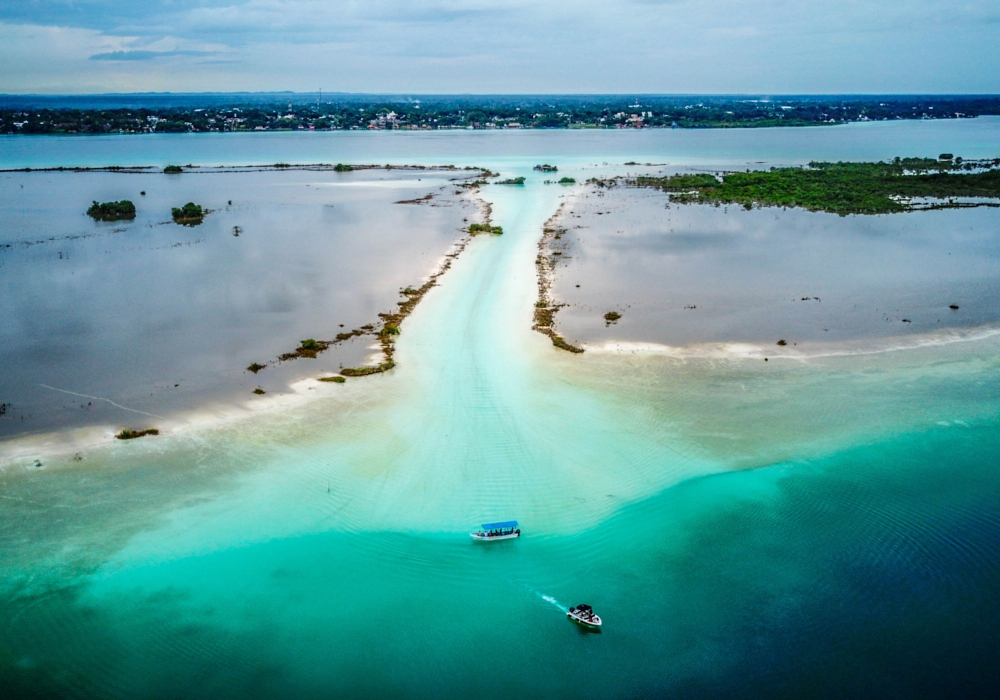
(705, 46)
(145, 55)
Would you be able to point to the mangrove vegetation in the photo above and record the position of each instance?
(190, 214)
(485, 228)
(842, 188)
(112, 211)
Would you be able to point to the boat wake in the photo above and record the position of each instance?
(553, 601)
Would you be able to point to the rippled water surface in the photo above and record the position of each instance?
(797, 528)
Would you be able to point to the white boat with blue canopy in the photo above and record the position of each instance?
(494, 532)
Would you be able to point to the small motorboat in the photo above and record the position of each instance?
(494, 532)
(584, 614)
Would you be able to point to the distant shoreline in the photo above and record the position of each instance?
(95, 115)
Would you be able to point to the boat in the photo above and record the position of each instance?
(494, 532)
(584, 614)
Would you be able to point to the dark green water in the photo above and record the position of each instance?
(869, 572)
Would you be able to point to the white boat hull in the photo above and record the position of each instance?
(594, 621)
(496, 538)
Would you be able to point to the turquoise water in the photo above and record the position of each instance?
(826, 527)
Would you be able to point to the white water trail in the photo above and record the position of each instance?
(98, 398)
(553, 601)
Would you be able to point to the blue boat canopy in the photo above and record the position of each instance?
(500, 526)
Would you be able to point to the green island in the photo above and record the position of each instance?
(129, 434)
(173, 169)
(511, 181)
(112, 211)
(485, 228)
(842, 188)
(567, 181)
(190, 214)
(333, 380)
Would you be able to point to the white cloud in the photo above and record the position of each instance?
(770, 46)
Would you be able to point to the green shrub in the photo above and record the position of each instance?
(341, 168)
(485, 228)
(112, 211)
(173, 169)
(190, 212)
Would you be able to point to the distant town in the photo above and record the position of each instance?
(124, 114)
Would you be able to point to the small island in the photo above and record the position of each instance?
(567, 181)
(511, 181)
(190, 214)
(112, 211)
(173, 169)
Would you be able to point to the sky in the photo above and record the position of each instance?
(494, 46)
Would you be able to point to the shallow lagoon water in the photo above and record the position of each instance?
(160, 318)
(686, 274)
(820, 527)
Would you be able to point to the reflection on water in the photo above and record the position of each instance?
(687, 274)
(154, 317)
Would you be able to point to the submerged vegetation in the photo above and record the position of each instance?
(842, 188)
(129, 434)
(112, 211)
(386, 335)
(310, 347)
(190, 214)
(371, 369)
(544, 319)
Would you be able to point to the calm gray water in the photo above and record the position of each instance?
(687, 274)
(159, 317)
(970, 138)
